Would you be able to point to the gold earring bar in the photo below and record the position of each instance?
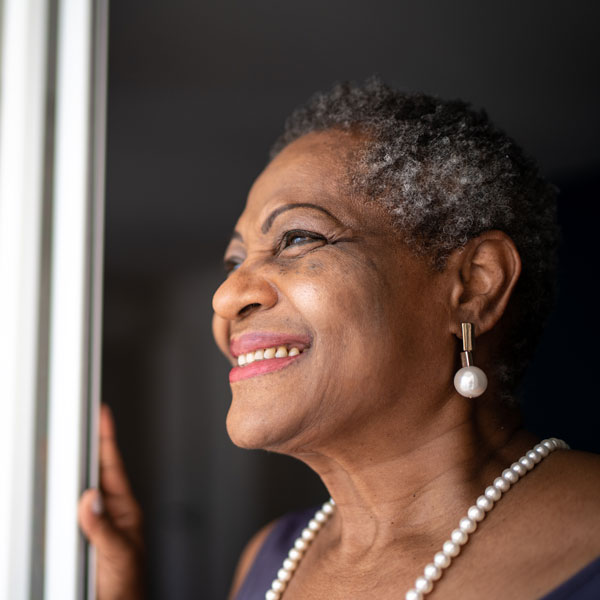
(466, 356)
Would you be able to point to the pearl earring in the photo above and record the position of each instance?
(470, 381)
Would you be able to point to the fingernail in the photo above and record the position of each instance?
(97, 504)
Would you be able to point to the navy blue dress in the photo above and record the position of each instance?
(584, 585)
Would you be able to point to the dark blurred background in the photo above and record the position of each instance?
(197, 93)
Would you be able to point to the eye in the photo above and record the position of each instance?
(231, 264)
(298, 237)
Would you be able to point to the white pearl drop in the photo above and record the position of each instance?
(458, 536)
(510, 476)
(484, 503)
(423, 585)
(467, 525)
(272, 595)
(470, 382)
(284, 575)
(442, 560)
(432, 572)
(413, 595)
(450, 548)
(476, 514)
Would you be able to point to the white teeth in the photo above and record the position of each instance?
(279, 352)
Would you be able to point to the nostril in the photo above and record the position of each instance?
(248, 308)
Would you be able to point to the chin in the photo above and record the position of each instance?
(255, 429)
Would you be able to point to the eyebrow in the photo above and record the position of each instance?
(269, 220)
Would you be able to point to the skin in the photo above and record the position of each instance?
(370, 405)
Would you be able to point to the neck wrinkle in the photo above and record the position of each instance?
(412, 495)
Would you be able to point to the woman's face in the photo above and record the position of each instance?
(314, 266)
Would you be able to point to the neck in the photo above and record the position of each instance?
(407, 488)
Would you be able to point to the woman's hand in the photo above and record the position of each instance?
(112, 521)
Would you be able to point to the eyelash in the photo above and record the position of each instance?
(232, 264)
(288, 236)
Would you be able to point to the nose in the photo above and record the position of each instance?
(244, 292)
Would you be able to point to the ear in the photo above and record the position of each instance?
(484, 273)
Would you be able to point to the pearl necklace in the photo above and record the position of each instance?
(451, 548)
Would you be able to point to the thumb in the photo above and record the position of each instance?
(98, 528)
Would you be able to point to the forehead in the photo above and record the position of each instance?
(315, 168)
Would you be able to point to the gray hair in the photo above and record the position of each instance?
(446, 174)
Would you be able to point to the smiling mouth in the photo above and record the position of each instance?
(264, 360)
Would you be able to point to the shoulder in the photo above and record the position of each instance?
(265, 551)
(248, 556)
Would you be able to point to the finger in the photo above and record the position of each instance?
(113, 478)
(99, 529)
(119, 502)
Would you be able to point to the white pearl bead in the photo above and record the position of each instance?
(470, 382)
(327, 508)
(300, 544)
(432, 572)
(492, 493)
(476, 514)
(308, 534)
(295, 554)
(284, 575)
(441, 560)
(550, 445)
(501, 484)
(467, 525)
(314, 525)
(413, 595)
(423, 585)
(289, 564)
(518, 468)
(450, 548)
(272, 595)
(541, 449)
(320, 516)
(510, 476)
(527, 463)
(484, 503)
(534, 456)
(278, 585)
(458, 536)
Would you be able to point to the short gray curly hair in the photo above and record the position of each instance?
(447, 174)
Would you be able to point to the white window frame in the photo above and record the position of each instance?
(53, 56)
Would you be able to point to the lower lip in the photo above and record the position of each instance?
(261, 367)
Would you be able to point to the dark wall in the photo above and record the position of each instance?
(197, 92)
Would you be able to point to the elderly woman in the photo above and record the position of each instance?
(387, 282)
